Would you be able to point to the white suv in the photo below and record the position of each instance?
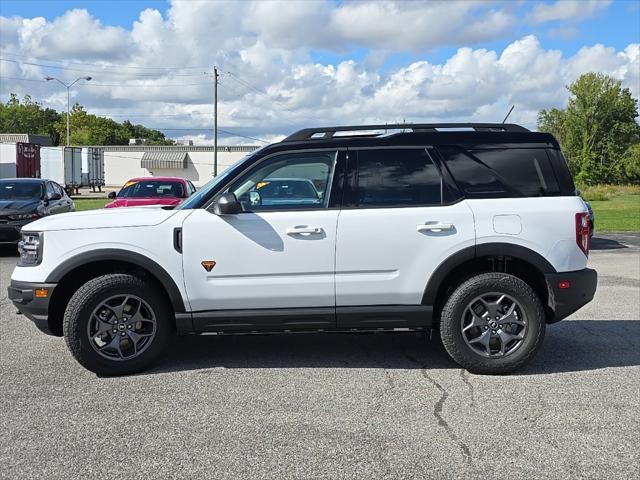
(471, 229)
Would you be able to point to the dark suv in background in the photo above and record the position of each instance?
(23, 200)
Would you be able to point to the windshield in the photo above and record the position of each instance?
(20, 190)
(151, 189)
(197, 198)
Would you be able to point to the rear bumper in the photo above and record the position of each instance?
(35, 308)
(580, 291)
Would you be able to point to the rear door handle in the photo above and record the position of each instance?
(304, 231)
(434, 227)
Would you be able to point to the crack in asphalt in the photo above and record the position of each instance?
(437, 410)
(465, 378)
(378, 407)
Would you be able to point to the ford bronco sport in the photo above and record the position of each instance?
(471, 229)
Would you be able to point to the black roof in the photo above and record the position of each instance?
(469, 135)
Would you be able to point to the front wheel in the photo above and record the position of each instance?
(493, 323)
(116, 324)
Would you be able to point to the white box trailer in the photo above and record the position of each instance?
(92, 167)
(52, 164)
(62, 165)
(72, 168)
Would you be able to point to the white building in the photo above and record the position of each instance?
(122, 162)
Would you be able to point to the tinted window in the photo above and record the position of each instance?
(562, 172)
(525, 170)
(151, 188)
(58, 189)
(474, 179)
(50, 189)
(285, 182)
(396, 177)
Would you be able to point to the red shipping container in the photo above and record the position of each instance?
(27, 160)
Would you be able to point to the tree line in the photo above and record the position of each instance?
(29, 116)
(597, 131)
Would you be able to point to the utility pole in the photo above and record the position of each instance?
(215, 121)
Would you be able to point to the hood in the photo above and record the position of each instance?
(104, 218)
(138, 202)
(9, 207)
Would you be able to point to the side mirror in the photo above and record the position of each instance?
(111, 195)
(227, 204)
(55, 196)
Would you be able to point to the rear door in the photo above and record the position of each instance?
(398, 223)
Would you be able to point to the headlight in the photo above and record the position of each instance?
(24, 216)
(30, 248)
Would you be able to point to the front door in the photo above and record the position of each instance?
(279, 253)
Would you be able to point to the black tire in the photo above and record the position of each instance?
(454, 309)
(88, 297)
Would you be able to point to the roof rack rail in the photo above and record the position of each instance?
(329, 132)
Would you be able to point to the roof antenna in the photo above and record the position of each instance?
(510, 110)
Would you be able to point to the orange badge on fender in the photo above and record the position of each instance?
(208, 265)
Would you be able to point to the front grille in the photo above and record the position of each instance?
(9, 235)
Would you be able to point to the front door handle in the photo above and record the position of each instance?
(304, 231)
(434, 227)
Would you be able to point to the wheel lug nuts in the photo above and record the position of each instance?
(486, 328)
(114, 331)
(501, 326)
(493, 331)
(123, 334)
(129, 327)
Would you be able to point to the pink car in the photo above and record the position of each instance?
(151, 191)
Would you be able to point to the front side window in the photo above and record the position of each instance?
(286, 182)
(396, 178)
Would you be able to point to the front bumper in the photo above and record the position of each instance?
(579, 289)
(35, 308)
(10, 232)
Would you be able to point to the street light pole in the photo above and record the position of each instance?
(215, 121)
(68, 87)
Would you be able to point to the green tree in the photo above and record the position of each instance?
(27, 116)
(597, 130)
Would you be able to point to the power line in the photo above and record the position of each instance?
(93, 84)
(108, 65)
(71, 69)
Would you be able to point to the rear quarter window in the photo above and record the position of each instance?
(525, 170)
(502, 172)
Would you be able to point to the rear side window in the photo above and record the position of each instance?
(503, 172)
(395, 178)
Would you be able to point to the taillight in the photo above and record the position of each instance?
(582, 232)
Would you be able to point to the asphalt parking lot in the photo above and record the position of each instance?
(336, 405)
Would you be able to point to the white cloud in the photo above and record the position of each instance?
(275, 86)
(567, 10)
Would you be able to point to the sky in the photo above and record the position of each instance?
(286, 65)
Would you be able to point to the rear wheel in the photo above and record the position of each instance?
(493, 323)
(116, 324)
